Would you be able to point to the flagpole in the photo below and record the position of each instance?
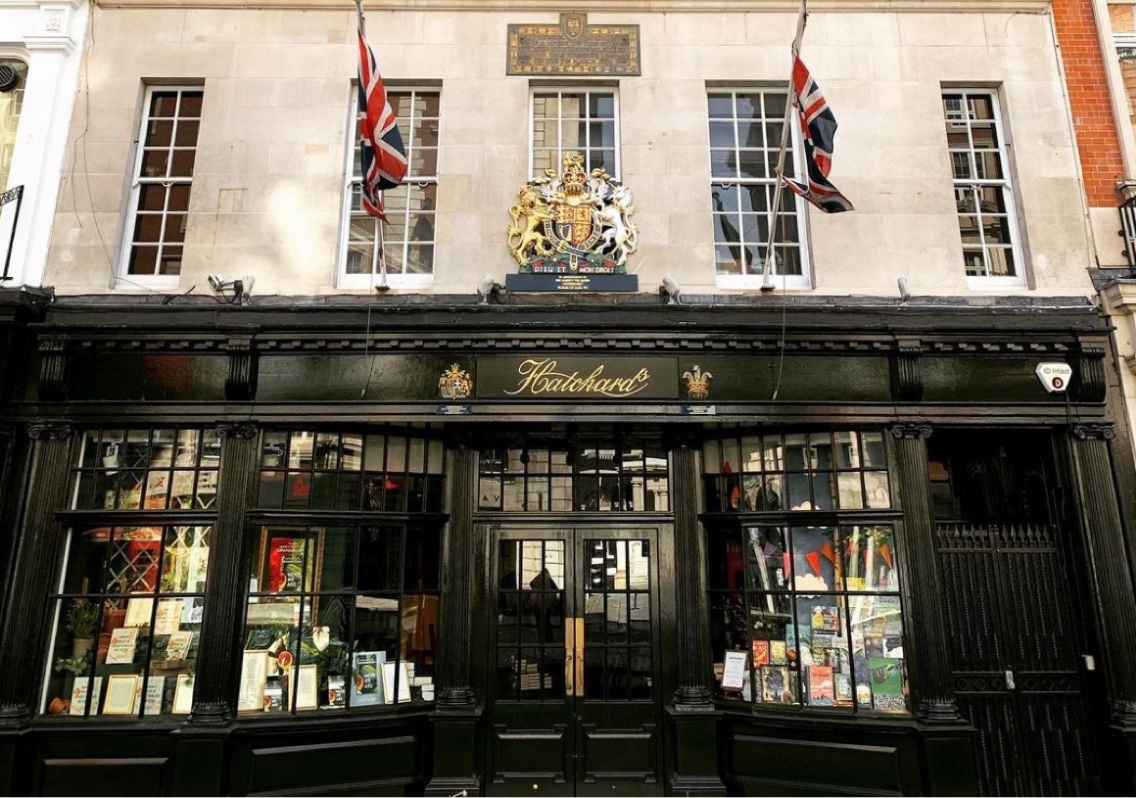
(775, 206)
(382, 286)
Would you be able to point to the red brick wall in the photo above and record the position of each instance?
(1097, 138)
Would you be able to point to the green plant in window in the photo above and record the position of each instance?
(82, 618)
(73, 665)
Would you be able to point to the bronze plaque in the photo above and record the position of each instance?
(574, 48)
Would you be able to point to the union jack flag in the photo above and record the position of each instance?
(381, 149)
(818, 129)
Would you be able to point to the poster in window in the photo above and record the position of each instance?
(79, 695)
(183, 695)
(733, 674)
(289, 561)
(886, 677)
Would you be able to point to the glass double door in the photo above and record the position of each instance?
(575, 693)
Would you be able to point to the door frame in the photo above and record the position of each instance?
(574, 531)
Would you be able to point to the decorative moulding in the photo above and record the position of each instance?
(627, 6)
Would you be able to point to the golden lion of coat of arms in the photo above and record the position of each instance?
(573, 222)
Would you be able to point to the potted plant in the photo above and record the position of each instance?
(82, 618)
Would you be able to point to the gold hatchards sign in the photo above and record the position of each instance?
(574, 48)
(572, 232)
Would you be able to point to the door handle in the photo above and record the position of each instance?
(1009, 679)
(569, 657)
(578, 634)
(574, 657)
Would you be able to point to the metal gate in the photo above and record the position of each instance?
(1017, 652)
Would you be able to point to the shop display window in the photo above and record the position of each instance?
(804, 582)
(126, 614)
(843, 470)
(343, 616)
(340, 617)
(146, 469)
(574, 477)
(809, 616)
(127, 620)
(309, 470)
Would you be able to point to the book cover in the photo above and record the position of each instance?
(79, 696)
(821, 690)
(777, 652)
(775, 686)
(122, 643)
(842, 685)
(886, 677)
(178, 645)
(760, 653)
(826, 618)
(367, 684)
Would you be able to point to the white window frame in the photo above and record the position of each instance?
(750, 282)
(1004, 183)
(560, 91)
(352, 182)
(10, 121)
(123, 277)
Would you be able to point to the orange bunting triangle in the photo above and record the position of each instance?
(814, 562)
(885, 552)
(827, 552)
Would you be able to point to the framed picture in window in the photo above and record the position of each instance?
(289, 560)
(120, 691)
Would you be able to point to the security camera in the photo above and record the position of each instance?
(1054, 376)
(488, 288)
(670, 290)
(216, 282)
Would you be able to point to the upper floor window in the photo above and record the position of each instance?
(983, 194)
(400, 252)
(13, 77)
(163, 176)
(574, 120)
(745, 141)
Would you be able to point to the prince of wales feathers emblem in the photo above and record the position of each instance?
(574, 222)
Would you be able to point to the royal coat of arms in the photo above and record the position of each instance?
(575, 222)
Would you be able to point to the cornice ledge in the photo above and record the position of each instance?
(626, 6)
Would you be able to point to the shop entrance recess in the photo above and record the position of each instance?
(1025, 673)
(575, 689)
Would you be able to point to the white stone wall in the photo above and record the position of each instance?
(48, 37)
(268, 189)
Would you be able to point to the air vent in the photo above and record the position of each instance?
(8, 77)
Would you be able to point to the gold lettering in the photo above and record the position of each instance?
(541, 377)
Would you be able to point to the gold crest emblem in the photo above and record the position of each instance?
(454, 383)
(575, 222)
(697, 382)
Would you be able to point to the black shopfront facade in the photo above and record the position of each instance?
(759, 547)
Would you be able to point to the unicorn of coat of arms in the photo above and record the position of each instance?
(575, 222)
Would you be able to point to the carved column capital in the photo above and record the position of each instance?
(50, 430)
(1094, 432)
(239, 430)
(910, 431)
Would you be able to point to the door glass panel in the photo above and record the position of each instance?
(617, 611)
(530, 620)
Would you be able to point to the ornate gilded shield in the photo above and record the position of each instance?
(573, 222)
